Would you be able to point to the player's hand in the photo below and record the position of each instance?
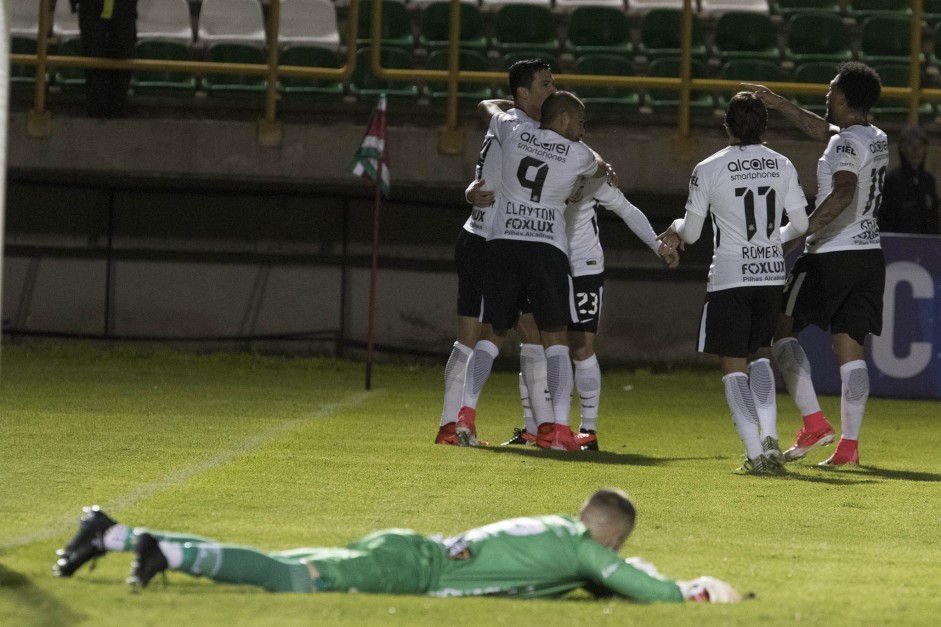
(792, 245)
(669, 255)
(765, 95)
(708, 590)
(670, 239)
(478, 196)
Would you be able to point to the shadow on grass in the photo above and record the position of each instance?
(886, 473)
(595, 457)
(30, 600)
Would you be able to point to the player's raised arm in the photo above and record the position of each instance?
(807, 121)
(486, 109)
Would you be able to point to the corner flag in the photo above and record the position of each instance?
(372, 151)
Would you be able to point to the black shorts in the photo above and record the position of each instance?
(470, 259)
(840, 292)
(588, 293)
(517, 270)
(737, 322)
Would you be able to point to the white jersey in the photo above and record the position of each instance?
(864, 151)
(540, 171)
(747, 189)
(489, 169)
(585, 253)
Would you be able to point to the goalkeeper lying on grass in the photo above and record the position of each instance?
(539, 556)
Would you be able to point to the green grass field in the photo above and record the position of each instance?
(279, 452)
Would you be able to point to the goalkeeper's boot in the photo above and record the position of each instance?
(846, 454)
(756, 466)
(447, 434)
(521, 437)
(467, 428)
(587, 439)
(87, 544)
(563, 439)
(545, 434)
(809, 439)
(148, 561)
(774, 458)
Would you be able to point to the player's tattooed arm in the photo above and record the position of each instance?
(807, 121)
(840, 196)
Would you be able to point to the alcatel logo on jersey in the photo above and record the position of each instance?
(847, 149)
(745, 165)
(529, 138)
(879, 146)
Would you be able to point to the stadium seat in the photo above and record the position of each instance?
(817, 37)
(642, 7)
(496, 5)
(715, 8)
(309, 56)
(161, 81)
(364, 84)
(469, 60)
(22, 74)
(598, 29)
(308, 23)
(788, 8)
(600, 64)
(936, 45)
(862, 9)
(396, 25)
(813, 72)
(896, 75)
(69, 78)
(164, 19)
(660, 34)
(24, 19)
(885, 39)
(670, 98)
(525, 27)
(747, 71)
(567, 6)
(64, 22)
(231, 21)
(435, 27)
(746, 36)
(931, 11)
(251, 84)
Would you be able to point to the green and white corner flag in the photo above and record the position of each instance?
(372, 154)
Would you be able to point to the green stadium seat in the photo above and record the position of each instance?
(599, 29)
(469, 60)
(817, 37)
(862, 9)
(365, 85)
(660, 34)
(396, 24)
(435, 27)
(220, 84)
(746, 36)
(896, 75)
(69, 78)
(525, 27)
(309, 56)
(931, 11)
(22, 74)
(789, 8)
(670, 98)
(601, 64)
(936, 45)
(157, 81)
(886, 39)
(813, 72)
(747, 71)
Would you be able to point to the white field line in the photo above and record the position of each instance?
(181, 475)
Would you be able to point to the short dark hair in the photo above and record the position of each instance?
(860, 85)
(746, 117)
(912, 135)
(558, 103)
(608, 504)
(522, 72)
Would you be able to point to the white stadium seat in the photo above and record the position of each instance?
(231, 21)
(164, 19)
(309, 22)
(714, 8)
(570, 5)
(643, 6)
(64, 22)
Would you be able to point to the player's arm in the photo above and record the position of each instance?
(807, 121)
(840, 196)
(612, 199)
(795, 205)
(486, 109)
(477, 196)
(686, 230)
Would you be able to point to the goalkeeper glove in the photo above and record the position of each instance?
(708, 590)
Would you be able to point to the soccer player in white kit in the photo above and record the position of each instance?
(838, 282)
(530, 81)
(527, 251)
(746, 187)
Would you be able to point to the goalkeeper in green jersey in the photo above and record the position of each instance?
(538, 556)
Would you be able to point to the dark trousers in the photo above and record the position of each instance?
(106, 90)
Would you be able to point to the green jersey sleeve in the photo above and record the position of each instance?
(605, 568)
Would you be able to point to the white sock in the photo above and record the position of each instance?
(173, 551)
(761, 382)
(795, 370)
(855, 377)
(454, 382)
(588, 384)
(739, 397)
(115, 538)
(559, 378)
(478, 370)
(533, 368)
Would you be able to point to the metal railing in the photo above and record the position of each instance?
(451, 135)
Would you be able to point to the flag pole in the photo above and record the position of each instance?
(380, 164)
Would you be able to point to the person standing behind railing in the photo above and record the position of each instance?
(108, 29)
(909, 197)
